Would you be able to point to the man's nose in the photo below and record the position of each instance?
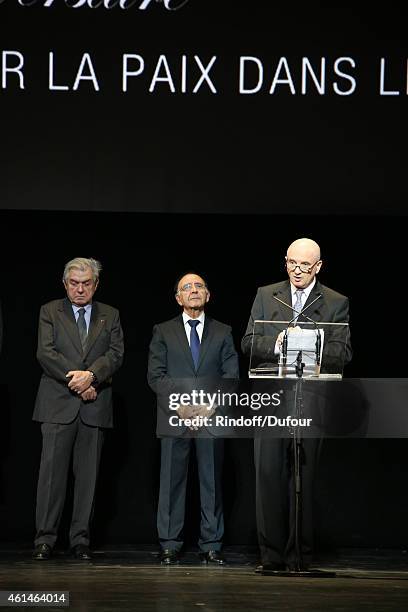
(80, 287)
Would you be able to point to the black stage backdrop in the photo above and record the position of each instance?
(220, 106)
(362, 498)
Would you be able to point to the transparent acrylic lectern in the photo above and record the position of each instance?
(279, 350)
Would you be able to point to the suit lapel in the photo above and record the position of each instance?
(68, 321)
(182, 340)
(97, 324)
(284, 294)
(208, 332)
(314, 312)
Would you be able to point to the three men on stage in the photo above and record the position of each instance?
(80, 347)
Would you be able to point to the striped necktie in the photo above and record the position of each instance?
(298, 304)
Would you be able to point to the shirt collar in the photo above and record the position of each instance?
(306, 291)
(187, 318)
(75, 308)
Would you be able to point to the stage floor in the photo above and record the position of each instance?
(132, 580)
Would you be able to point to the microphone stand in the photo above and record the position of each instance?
(297, 458)
(299, 569)
(318, 348)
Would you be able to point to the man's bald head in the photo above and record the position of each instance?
(303, 262)
(306, 244)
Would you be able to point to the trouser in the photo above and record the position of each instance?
(275, 498)
(175, 454)
(61, 442)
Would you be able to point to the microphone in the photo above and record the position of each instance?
(284, 347)
(301, 313)
(297, 315)
(299, 364)
(318, 345)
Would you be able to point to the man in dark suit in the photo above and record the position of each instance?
(191, 346)
(274, 501)
(80, 347)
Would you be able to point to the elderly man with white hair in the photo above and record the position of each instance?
(80, 347)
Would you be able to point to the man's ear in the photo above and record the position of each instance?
(207, 297)
(178, 299)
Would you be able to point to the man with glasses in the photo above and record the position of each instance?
(274, 486)
(191, 346)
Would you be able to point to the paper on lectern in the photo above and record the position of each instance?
(300, 339)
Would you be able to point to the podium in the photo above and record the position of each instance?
(325, 349)
(306, 352)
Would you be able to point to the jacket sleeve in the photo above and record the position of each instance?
(260, 344)
(337, 347)
(229, 357)
(157, 369)
(53, 363)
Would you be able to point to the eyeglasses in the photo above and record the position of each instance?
(303, 267)
(189, 286)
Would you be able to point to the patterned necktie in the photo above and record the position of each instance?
(298, 304)
(83, 332)
(194, 341)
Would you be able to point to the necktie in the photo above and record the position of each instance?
(194, 341)
(298, 304)
(83, 332)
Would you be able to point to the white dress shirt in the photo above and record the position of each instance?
(306, 293)
(200, 327)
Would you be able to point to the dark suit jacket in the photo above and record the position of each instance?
(171, 362)
(332, 307)
(60, 350)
